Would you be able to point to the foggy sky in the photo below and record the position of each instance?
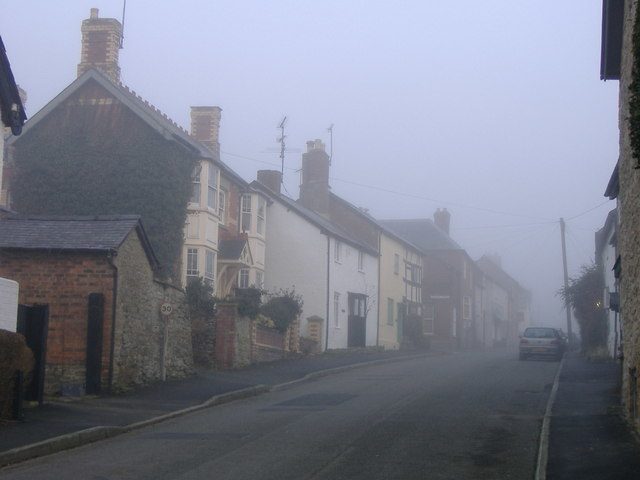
(493, 109)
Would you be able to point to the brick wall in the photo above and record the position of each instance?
(628, 200)
(63, 281)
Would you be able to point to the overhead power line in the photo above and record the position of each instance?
(542, 220)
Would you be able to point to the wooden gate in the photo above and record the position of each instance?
(95, 320)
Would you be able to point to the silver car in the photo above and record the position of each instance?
(545, 341)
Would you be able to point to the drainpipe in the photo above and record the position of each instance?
(326, 341)
(114, 297)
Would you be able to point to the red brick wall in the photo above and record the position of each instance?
(226, 335)
(63, 281)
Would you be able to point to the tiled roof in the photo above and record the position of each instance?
(231, 249)
(423, 233)
(100, 233)
(497, 274)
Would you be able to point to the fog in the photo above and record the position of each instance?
(493, 109)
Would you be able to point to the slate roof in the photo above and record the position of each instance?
(231, 249)
(613, 187)
(497, 274)
(323, 223)
(11, 107)
(143, 109)
(602, 234)
(423, 233)
(88, 234)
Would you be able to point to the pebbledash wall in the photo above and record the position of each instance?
(64, 280)
(629, 248)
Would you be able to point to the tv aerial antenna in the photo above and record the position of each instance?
(281, 140)
(124, 9)
(330, 130)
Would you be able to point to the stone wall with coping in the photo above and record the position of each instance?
(140, 330)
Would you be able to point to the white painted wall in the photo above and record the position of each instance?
(296, 257)
(8, 304)
(344, 277)
(608, 259)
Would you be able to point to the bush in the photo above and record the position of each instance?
(200, 299)
(283, 308)
(14, 356)
(249, 300)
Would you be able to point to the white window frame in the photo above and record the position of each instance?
(242, 276)
(337, 251)
(212, 188)
(396, 264)
(360, 261)
(192, 263)
(262, 207)
(466, 307)
(259, 279)
(246, 213)
(210, 265)
(429, 319)
(195, 185)
(222, 205)
(336, 309)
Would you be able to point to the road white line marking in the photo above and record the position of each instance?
(543, 450)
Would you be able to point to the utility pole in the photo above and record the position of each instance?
(567, 305)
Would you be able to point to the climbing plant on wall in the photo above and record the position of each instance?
(634, 100)
(78, 162)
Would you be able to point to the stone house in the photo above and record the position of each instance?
(606, 255)
(335, 274)
(449, 283)
(118, 121)
(618, 62)
(90, 303)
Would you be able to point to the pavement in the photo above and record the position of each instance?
(63, 423)
(588, 437)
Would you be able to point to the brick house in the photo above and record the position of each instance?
(450, 279)
(90, 303)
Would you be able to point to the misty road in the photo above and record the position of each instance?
(462, 416)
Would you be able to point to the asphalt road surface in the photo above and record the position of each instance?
(461, 416)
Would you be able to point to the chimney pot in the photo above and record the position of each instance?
(442, 219)
(272, 179)
(93, 13)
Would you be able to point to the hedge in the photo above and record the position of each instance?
(14, 356)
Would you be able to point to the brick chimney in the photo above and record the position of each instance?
(442, 219)
(205, 126)
(100, 45)
(314, 187)
(272, 179)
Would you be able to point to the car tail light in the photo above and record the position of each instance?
(555, 342)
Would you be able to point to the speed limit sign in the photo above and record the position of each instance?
(166, 309)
